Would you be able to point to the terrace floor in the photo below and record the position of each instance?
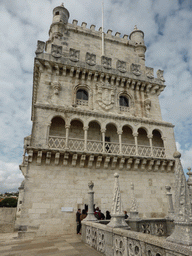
(65, 245)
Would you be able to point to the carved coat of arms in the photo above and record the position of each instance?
(105, 96)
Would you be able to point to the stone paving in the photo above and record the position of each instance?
(65, 245)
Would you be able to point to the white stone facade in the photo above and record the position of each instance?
(93, 115)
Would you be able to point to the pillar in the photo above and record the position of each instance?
(85, 138)
(67, 136)
(135, 135)
(90, 215)
(151, 143)
(120, 142)
(170, 202)
(103, 139)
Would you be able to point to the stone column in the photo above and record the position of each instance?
(85, 138)
(90, 215)
(189, 183)
(103, 139)
(120, 142)
(135, 135)
(117, 215)
(67, 136)
(151, 143)
(170, 202)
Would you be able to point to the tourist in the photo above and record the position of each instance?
(97, 213)
(108, 215)
(126, 216)
(78, 221)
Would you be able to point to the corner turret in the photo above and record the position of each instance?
(137, 36)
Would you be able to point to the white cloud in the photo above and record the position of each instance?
(168, 36)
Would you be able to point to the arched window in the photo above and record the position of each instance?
(82, 97)
(123, 103)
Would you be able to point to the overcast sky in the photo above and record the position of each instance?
(167, 25)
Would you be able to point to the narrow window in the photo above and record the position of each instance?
(82, 97)
(123, 101)
(56, 13)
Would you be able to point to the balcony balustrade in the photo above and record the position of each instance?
(93, 146)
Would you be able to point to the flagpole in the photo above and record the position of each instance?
(103, 52)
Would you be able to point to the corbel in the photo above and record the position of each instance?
(98, 163)
(96, 76)
(129, 163)
(106, 162)
(77, 73)
(118, 80)
(112, 80)
(65, 159)
(157, 164)
(128, 83)
(102, 77)
(138, 86)
(57, 156)
(163, 166)
(136, 164)
(114, 161)
(74, 160)
(48, 158)
(143, 164)
(89, 75)
(143, 87)
(122, 161)
(30, 156)
(48, 67)
(57, 70)
(39, 157)
(151, 162)
(82, 160)
(169, 166)
(72, 71)
(122, 82)
(90, 161)
(133, 85)
(107, 78)
(83, 74)
(64, 70)
(148, 88)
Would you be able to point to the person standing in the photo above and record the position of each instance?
(78, 221)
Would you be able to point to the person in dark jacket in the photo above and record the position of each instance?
(108, 215)
(78, 221)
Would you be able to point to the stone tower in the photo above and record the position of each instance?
(93, 115)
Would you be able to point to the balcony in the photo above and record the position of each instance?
(94, 146)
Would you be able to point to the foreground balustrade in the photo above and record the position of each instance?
(93, 146)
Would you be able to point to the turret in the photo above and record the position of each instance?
(60, 19)
(137, 36)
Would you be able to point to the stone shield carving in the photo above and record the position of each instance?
(90, 59)
(105, 96)
(56, 51)
(106, 62)
(121, 66)
(149, 72)
(74, 55)
(40, 47)
(136, 69)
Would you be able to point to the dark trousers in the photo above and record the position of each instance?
(78, 227)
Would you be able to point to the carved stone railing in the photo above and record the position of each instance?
(129, 150)
(94, 146)
(144, 151)
(57, 142)
(124, 109)
(116, 241)
(76, 144)
(82, 102)
(159, 152)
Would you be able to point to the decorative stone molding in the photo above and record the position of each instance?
(160, 75)
(90, 59)
(56, 51)
(74, 55)
(56, 86)
(121, 66)
(65, 159)
(74, 160)
(40, 47)
(82, 160)
(106, 62)
(134, 248)
(57, 157)
(136, 69)
(134, 206)
(147, 106)
(105, 96)
(149, 72)
(39, 157)
(106, 162)
(48, 158)
(170, 202)
(90, 161)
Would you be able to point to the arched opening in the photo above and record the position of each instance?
(142, 137)
(57, 127)
(94, 131)
(57, 13)
(82, 97)
(76, 130)
(123, 101)
(94, 138)
(157, 141)
(57, 133)
(128, 142)
(111, 139)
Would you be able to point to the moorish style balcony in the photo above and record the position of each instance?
(94, 146)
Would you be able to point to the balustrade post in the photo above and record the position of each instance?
(67, 136)
(90, 215)
(85, 137)
(135, 135)
(103, 139)
(151, 143)
(120, 142)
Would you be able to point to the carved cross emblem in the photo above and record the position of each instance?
(106, 62)
(121, 66)
(56, 51)
(90, 59)
(74, 55)
(135, 68)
